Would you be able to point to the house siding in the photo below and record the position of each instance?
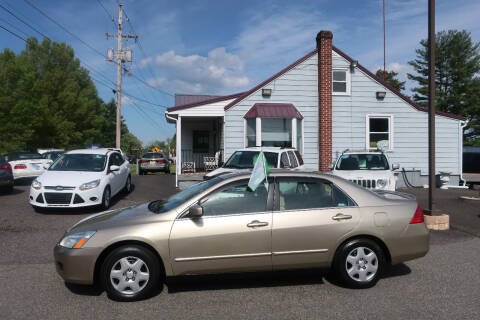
(297, 86)
(410, 126)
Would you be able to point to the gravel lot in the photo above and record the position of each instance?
(442, 285)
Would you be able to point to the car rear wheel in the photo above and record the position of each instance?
(130, 273)
(106, 198)
(359, 263)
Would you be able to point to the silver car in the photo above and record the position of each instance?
(153, 162)
(297, 220)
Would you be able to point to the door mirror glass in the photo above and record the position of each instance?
(395, 166)
(114, 168)
(195, 211)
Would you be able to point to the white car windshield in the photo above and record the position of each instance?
(245, 159)
(362, 162)
(79, 162)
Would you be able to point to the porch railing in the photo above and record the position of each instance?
(189, 156)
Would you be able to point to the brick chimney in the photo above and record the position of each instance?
(324, 46)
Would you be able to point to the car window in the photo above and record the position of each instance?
(245, 159)
(293, 160)
(24, 156)
(311, 194)
(153, 155)
(236, 199)
(362, 162)
(284, 161)
(79, 162)
(299, 157)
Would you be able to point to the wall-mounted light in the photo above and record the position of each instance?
(266, 92)
(381, 95)
(353, 64)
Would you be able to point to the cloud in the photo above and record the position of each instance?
(216, 72)
(127, 100)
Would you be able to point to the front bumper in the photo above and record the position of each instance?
(92, 197)
(76, 265)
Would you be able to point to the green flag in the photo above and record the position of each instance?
(259, 173)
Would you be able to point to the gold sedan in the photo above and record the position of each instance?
(297, 220)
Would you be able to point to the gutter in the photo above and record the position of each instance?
(463, 124)
(176, 164)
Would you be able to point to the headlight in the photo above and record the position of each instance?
(381, 183)
(76, 240)
(89, 185)
(36, 185)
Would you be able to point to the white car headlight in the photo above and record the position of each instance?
(76, 240)
(90, 185)
(36, 185)
(381, 183)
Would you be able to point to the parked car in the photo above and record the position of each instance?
(132, 159)
(6, 175)
(370, 169)
(243, 159)
(302, 220)
(52, 155)
(153, 162)
(27, 164)
(81, 178)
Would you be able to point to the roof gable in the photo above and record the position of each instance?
(203, 102)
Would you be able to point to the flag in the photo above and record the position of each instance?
(259, 173)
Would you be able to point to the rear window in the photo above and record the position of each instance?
(2, 160)
(245, 159)
(24, 156)
(153, 155)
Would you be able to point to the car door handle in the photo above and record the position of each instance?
(341, 216)
(256, 223)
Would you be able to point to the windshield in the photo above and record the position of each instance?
(153, 155)
(79, 162)
(174, 201)
(244, 159)
(362, 162)
(24, 156)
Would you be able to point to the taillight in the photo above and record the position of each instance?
(20, 166)
(418, 216)
(162, 160)
(142, 161)
(5, 167)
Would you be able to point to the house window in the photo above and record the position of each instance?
(380, 132)
(276, 132)
(341, 82)
(251, 132)
(201, 141)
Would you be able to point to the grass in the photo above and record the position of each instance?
(133, 170)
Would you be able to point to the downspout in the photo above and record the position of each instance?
(176, 150)
(463, 124)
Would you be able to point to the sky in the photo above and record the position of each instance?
(224, 47)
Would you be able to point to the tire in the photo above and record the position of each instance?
(106, 198)
(167, 170)
(125, 281)
(128, 185)
(359, 263)
(140, 172)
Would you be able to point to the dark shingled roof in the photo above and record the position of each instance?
(273, 110)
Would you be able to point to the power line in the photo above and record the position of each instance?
(13, 33)
(107, 12)
(14, 27)
(25, 23)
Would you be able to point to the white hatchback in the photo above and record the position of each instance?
(81, 178)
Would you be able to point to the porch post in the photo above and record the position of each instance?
(258, 132)
(178, 147)
(294, 133)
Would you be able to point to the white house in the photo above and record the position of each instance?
(321, 104)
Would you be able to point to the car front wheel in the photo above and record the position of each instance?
(359, 263)
(131, 273)
(128, 185)
(106, 198)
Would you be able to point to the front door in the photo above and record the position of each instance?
(234, 233)
(307, 221)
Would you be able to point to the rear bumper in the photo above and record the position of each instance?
(414, 242)
(76, 265)
(18, 174)
(6, 181)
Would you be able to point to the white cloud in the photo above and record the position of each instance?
(218, 71)
(127, 100)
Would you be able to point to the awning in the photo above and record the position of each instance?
(273, 110)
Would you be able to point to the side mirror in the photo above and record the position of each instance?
(395, 166)
(195, 211)
(114, 168)
(331, 166)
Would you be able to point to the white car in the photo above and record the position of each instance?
(370, 169)
(242, 160)
(27, 164)
(81, 178)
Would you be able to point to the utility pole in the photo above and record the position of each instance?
(121, 56)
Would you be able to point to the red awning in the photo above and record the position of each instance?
(273, 110)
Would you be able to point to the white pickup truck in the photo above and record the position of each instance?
(370, 169)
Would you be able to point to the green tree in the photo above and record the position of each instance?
(130, 144)
(457, 85)
(391, 79)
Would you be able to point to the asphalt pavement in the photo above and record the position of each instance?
(443, 285)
